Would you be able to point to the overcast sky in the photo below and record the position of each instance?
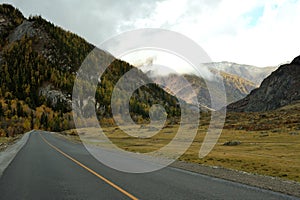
(256, 32)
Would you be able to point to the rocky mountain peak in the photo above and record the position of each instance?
(296, 61)
(281, 88)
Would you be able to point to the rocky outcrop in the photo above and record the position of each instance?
(56, 98)
(10, 18)
(281, 88)
(26, 28)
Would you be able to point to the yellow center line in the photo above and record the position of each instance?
(91, 171)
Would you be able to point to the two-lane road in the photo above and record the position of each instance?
(49, 167)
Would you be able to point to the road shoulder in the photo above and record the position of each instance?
(260, 181)
(11, 151)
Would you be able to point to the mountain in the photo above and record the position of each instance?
(235, 87)
(248, 72)
(38, 65)
(279, 89)
(238, 81)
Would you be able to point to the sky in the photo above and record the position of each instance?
(254, 32)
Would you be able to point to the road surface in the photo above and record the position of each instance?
(49, 167)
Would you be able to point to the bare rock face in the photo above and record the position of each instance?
(56, 98)
(296, 61)
(281, 88)
(26, 28)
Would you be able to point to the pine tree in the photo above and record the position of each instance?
(1, 110)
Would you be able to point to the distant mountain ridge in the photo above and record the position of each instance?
(248, 72)
(279, 89)
(239, 80)
(235, 87)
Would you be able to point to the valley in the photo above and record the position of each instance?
(39, 64)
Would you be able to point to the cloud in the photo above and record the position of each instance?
(95, 20)
(261, 33)
(163, 63)
(258, 32)
(140, 62)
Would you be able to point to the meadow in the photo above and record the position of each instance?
(265, 143)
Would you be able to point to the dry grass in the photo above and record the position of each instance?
(277, 154)
(5, 141)
(270, 142)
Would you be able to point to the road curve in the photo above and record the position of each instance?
(49, 167)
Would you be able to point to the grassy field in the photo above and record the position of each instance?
(267, 143)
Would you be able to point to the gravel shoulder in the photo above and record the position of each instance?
(260, 181)
(9, 151)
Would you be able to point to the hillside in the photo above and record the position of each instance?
(38, 64)
(279, 89)
(236, 88)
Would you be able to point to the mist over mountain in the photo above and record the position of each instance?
(239, 80)
(235, 87)
(248, 72)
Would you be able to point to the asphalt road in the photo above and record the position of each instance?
(49, 167)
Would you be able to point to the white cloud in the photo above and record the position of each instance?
(156, 59)
(258, 32)
(225, 30)
(95, 20)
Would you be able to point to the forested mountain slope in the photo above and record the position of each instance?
(38, 66)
